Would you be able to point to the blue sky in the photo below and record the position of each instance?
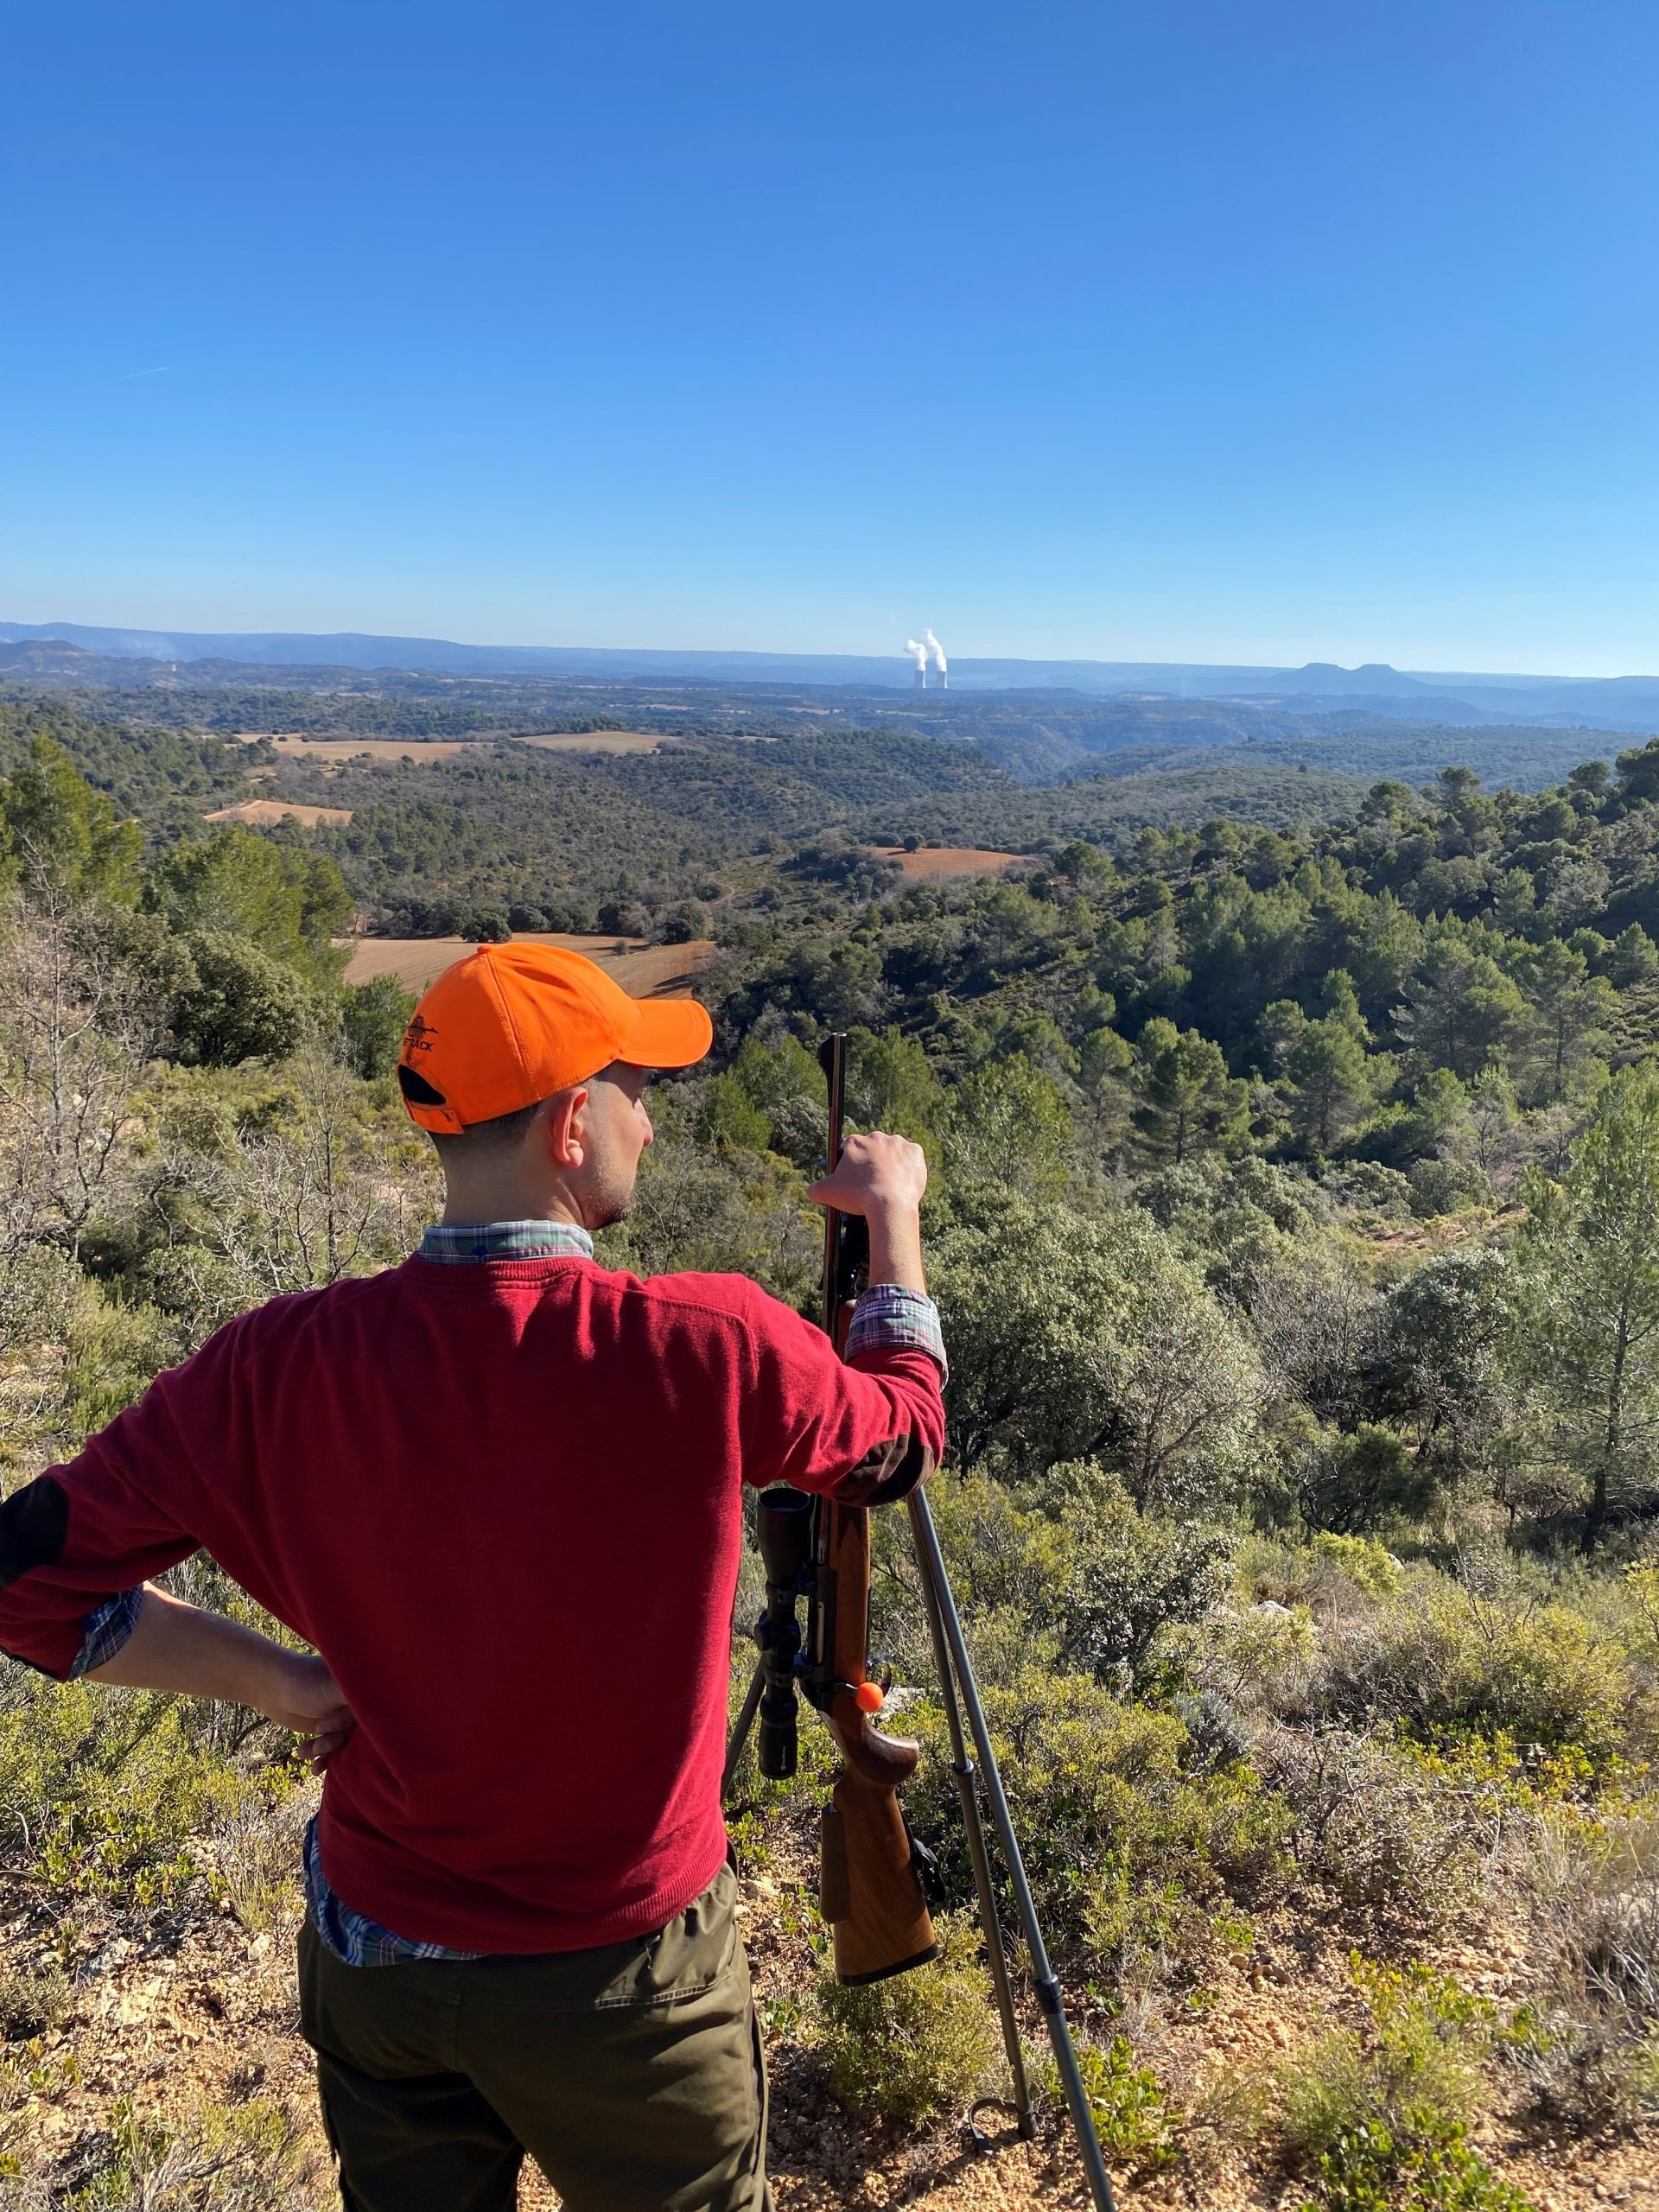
(1263, 331)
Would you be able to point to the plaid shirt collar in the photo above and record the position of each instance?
(463, 1245)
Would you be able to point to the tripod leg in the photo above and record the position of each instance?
(961, 1768)
(1048, 1989)
(742, 1725)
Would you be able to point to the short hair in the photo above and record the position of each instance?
(503, 1133)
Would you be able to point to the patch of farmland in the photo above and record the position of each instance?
(262, 813)
(329, 752)
(950, 860)
(595, 741)
(644, 971)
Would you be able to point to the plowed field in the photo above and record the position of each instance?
(644, 971)
(950, 860)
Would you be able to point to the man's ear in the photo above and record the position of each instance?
(565, 1127)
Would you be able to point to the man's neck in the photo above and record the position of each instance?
(477, 1209)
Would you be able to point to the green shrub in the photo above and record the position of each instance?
(113, 1352)
(258, 1847)
(1103, 1343)
(1135, 1854)
(1369, 2168)
(1589, 2056)
(32, 2000)
(1441, 1661)
(1377, 2116)
(1330, 1575)
(1126, 2101)
(1263, 1653)
(1349, 1485)
(1417, 2055)
(1069, 1550)
(730, 1120)
(1363, 1559)
(106, 1790)
(372, 1018)
(242, 1004)
(1127, 1576)
(1373, 1824)
(250, 2157)
(1582, 2068)
(916, 2043)
(1001, 1548)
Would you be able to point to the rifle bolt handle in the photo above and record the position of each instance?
(868, 1698)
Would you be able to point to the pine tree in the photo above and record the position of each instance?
(57, 832)
(1189, 1102)
(1588, 1270)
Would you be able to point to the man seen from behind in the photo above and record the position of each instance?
(496, 1490)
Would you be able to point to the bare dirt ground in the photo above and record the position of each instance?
(644, 971)
(207, 2011)
(261, 813)
(950, 860)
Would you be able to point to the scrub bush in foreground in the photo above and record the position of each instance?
(1127, 2101)
(106, 1792)
(1377, 2117)
(1136, 1854)
(917, 2044)
(1589, 2057)
(252, 2158)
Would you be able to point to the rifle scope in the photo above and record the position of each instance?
(785, 1528)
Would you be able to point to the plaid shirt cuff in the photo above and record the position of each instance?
(105, 1631)
(889, 1317)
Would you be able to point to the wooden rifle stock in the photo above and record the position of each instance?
(868, 1889)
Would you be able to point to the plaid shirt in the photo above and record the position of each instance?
(886, 1315)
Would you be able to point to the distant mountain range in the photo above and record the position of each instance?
(74, 652)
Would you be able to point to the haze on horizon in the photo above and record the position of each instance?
(1259, 337)
(180, 641)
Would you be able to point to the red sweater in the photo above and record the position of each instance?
(502, 1500)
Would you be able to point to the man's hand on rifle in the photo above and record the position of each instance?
(882, 1177)
(874, 1172)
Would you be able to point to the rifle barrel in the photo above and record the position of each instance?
(832, 1058)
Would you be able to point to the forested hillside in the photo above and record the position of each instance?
(1040, 736)
(1294, 1221)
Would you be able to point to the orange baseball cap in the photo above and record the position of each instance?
(510, 1024)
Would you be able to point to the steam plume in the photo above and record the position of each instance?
(938, 650)
(911, 645)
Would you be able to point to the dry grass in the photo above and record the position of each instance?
(262, 813)
(330, 752)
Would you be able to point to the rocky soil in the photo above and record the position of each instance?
(199, 2009)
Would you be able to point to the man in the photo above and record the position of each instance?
(497, 1489)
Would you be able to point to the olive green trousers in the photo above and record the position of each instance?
(632, 2074)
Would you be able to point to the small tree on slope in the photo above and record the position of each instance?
(1588, 1308)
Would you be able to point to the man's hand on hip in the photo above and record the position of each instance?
(174, 1646)
(305, 1697)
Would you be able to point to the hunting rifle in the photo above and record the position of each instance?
(870, 1888)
